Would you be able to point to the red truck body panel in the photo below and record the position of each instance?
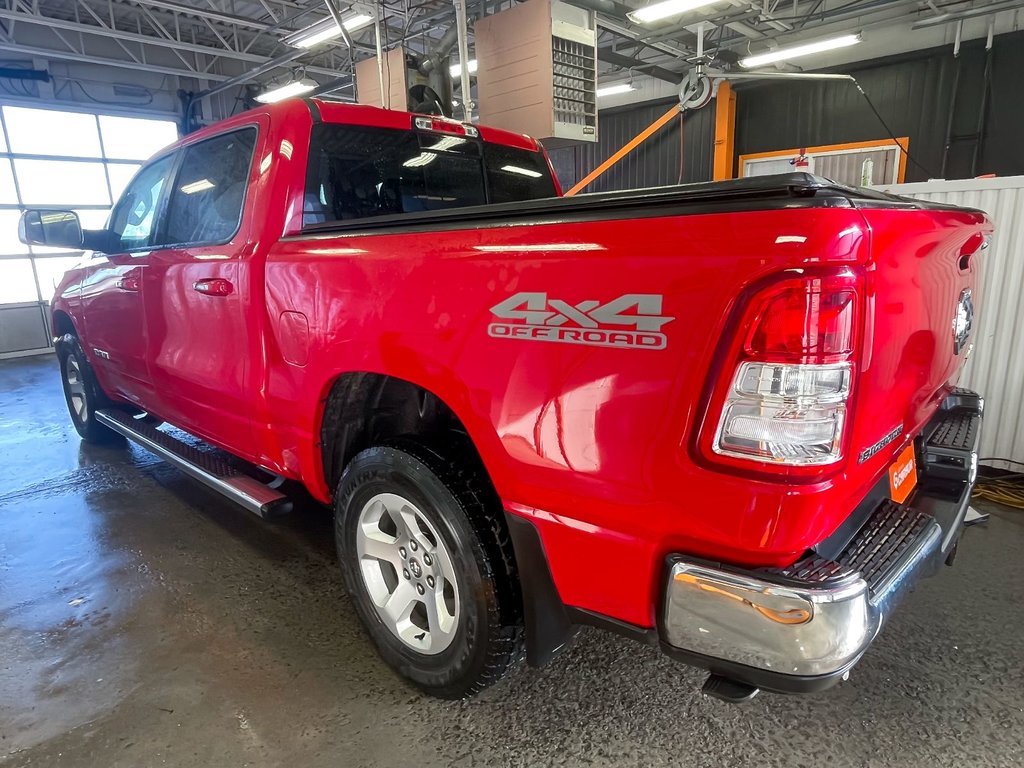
(600, 447)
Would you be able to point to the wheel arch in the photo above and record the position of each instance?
(62, 323)
(362, 409)
(365, 408)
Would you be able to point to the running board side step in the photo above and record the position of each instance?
(209, 469)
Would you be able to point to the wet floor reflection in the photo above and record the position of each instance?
(145, 621)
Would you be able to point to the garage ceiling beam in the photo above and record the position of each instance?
(27, 16)
(47, 53)
(132, 37)
(214, 15)
(622, 30)
(608, 56)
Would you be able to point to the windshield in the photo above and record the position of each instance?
(357, 172)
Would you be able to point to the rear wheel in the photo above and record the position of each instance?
(425, 569)
(82, 392)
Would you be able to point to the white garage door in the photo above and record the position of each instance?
(58, 159)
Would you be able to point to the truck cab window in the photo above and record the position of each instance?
(205, 205)
(134, 216)
(356, 172)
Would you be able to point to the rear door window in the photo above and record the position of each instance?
(205, 206)
(358, 172)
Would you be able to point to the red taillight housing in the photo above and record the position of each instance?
(804, 320)
(783, 393)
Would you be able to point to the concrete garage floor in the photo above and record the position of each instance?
(147, 622)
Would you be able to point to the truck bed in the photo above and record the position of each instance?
(789, 190)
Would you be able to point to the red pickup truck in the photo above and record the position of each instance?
(720, 418)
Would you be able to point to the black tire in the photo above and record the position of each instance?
(458, 502)
(75, 369)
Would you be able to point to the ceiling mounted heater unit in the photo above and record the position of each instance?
(537, 71)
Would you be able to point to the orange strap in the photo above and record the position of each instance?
(639, 139)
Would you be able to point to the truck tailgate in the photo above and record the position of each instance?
(922, 296)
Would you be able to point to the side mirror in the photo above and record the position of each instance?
(58, 229)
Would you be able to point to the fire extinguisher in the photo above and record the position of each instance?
(801, 162)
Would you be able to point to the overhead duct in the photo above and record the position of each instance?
(434, 67)
(438, 57)
(417, 83)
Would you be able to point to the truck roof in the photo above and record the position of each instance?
(349, 114)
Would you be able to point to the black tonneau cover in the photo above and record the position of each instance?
(787, 190)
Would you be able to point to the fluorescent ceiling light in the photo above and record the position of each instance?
(356, 22)
(796, 51)
(611, 90)
(456, 68)
(324, 30)
(664, 9)
(423, 158)
(446, 143)
(197, 186)
(289, 89)
(521, 171)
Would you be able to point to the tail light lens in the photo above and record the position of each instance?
(786, 401)
(802, 320)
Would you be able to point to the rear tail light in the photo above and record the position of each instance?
(790, 414)
(803, 319)
(786, 400)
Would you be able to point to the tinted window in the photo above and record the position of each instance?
(514, 174)
(133, 219)
(356, 172)
(206, 202)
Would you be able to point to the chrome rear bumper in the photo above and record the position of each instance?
(817, 621)
(802, 628)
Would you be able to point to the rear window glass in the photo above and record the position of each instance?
(358, 172)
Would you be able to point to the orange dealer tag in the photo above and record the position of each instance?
(903, 475)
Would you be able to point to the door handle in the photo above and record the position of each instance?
(213, 286)
(130, 283)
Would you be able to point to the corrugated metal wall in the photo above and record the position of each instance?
(913, 93)
(996, 369)
(654, 163)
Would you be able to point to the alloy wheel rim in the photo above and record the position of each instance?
(76, 388)
(408, 573)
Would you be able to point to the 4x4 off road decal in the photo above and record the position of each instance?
(631, 321)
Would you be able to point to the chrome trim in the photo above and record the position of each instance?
(792, 628)
(963, 321)
(241, 489)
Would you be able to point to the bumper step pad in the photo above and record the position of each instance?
(880, 546)
(876, 553)
(949, 453)
(208, 468)
(956, 432)
(950, 450)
